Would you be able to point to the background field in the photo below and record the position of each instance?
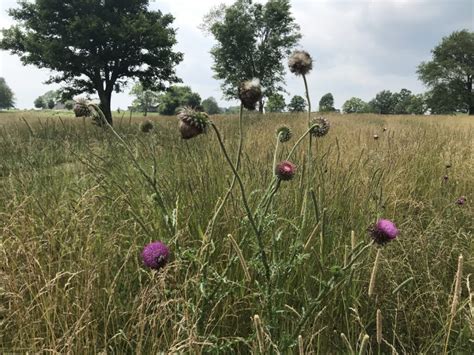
(75, 213)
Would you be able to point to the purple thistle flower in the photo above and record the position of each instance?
(461, 201)
(285, 170)
(383, 231)
(155, 255)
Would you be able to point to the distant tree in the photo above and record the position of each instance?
(383, 103)
(440, 101)
(95, 46)
(355, 105)
(210, 106)
(451, 72)
(177, 97)
(252, 41)
(276, 103)
(7, 99)
(69, 105)
(231, 110)
(417, 105)
(39, 103)
(51, 104)
(144, 99)
(401, 101)
(297, 104)
(326, 104)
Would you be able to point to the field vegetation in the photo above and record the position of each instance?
(78, 203)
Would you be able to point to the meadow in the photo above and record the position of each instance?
(78, 204)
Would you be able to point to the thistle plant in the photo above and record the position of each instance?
(81, 108)
(192, 123)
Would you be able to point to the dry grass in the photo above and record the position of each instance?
(75, 213)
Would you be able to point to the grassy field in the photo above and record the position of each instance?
(77, 206)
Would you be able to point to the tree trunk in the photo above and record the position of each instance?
(471, 96)
(105, 105)
(260, 106)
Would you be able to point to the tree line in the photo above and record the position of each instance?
(124, 41)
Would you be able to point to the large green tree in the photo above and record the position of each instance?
(451, 72)
(211, 106)
(177, 97)
(355, 105)
(253, 40)
(297, 104)
(7, 99)
(276, 103)
(95, 46)
(326, 104)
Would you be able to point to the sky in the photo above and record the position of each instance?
(359, 47)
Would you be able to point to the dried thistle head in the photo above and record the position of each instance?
(192, 122)
(81, 108)
(321, 127)
(250, 92)
(300, 63)
(284, 134)
(146, 126)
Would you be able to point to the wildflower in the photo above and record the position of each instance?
(376, 136)
(321, 127)
(285, 170)
(192, 123)
(284, 134)
(81, 108)
(383, 231)
(461, 201)
(155, 255)
(250, 92)
(146, 126)
(300, 63)
(445, 177)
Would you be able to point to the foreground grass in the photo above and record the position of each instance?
(75, 213)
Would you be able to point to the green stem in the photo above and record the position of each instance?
(253, 223)
(309, 123)
(234, 179)
(298, 142)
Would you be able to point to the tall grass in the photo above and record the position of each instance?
(75, 213)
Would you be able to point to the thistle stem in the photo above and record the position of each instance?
(253, 223)
(310, 142)
(298, 142)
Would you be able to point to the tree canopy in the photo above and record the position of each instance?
(253, 39)
(355, 105)
(95, 45)
(210, 106)
(297, 104)
(276, 103)
(450, 73)
(7, 99)
(177, 97)
(326, 104)
(144, 99)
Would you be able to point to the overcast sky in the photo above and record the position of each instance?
(359, 47)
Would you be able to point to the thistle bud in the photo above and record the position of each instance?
(285, 170)
(250, 92)
(146, 126)
(300, 63)
(81, 108)
(321, 127)
(192, 123)
(284, 134)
